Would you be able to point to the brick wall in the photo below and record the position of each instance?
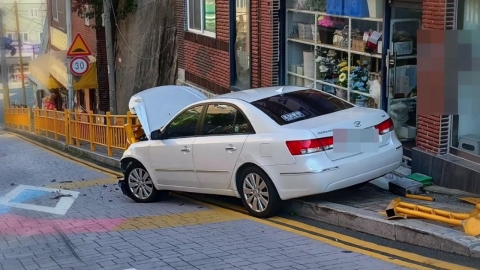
(428, 126)
(433, 14)
(262, 36)
(87, 32)
(207, 60)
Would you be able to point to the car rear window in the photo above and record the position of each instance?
(300, 105)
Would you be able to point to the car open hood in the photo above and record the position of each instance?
(154, 107)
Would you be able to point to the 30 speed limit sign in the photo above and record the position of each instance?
(79, 66)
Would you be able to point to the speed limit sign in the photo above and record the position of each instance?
(79, 66)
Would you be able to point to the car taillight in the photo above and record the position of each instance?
(385, 127)
(310, 146)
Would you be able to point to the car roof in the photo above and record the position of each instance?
(251, 95)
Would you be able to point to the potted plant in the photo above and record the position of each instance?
(342, 79)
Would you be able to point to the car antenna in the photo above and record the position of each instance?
(280, 91)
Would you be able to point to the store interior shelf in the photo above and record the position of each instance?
(333, 47)
(338, 16)
(329, 84)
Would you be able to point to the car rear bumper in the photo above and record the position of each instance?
(294, 181)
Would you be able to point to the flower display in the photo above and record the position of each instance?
(359, 79)
(331, 22)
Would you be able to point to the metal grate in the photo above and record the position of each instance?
(275, 11)
(451, 7)
(450, 23)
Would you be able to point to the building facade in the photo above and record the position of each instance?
(208, 30)
(448, 141)
(229, 45)
(31, 19)
(91, 89)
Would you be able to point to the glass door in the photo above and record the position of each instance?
(402, 73)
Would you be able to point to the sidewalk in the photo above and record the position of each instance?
(353, 209)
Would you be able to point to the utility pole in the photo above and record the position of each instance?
(3, 59)
(20, 47)
(68, 19)
(107, 13)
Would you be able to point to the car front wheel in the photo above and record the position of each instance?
(258, 193)
(140, 185)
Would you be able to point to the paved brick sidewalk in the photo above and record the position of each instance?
(102, 229)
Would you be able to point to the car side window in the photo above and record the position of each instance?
(185, 124)
(223, 119)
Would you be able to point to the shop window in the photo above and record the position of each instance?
(33, 12)
(25, 37)
(468, 17)
(242, 45)
(465, 131)
(339, 54)
(55, 10)
(201, 17)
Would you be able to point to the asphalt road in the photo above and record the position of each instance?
(90, 224)
(16, 95)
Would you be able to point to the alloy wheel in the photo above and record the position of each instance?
(140, 183)
(255, 191)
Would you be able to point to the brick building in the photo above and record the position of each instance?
(247, 27)
(283, 38)
(448, 143)
(91, 90)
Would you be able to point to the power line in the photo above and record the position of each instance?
(128, 46)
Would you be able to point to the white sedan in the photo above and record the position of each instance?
(262, 145)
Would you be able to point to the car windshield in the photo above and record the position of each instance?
(300, 105)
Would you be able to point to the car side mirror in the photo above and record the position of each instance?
(156, 135)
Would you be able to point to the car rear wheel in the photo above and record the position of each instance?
(140, 185)
(258, 193)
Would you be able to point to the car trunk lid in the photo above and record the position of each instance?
(356, 118)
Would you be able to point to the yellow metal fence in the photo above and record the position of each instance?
(73, 127)
(19, 118)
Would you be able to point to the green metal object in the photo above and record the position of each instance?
(422, 178)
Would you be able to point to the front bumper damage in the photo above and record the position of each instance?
(123, 186)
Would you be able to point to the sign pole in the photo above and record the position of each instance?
(71, 100)
(20, 48)
(3, 63)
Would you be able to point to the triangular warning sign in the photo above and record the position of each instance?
(78, 47)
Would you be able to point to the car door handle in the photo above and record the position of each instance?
(185, 150)
(230, 148)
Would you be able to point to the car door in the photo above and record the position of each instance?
(216, 151)
(172, 156)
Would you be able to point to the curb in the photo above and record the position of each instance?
(410, 231)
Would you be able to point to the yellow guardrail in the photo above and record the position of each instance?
(73, 127)
(19, 118)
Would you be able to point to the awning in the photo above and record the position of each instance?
(50, 69)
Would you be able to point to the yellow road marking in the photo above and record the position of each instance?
(194, 218)
(176, 220)
(368, 245)
(84, 184)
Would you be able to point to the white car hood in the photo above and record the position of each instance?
(154, 107)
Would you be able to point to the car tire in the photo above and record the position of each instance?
(262, 200)
(144, 191)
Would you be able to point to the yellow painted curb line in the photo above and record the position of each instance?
(305, 229)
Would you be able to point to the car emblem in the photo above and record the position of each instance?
(357, 123)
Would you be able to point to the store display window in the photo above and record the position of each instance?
(335, 46)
